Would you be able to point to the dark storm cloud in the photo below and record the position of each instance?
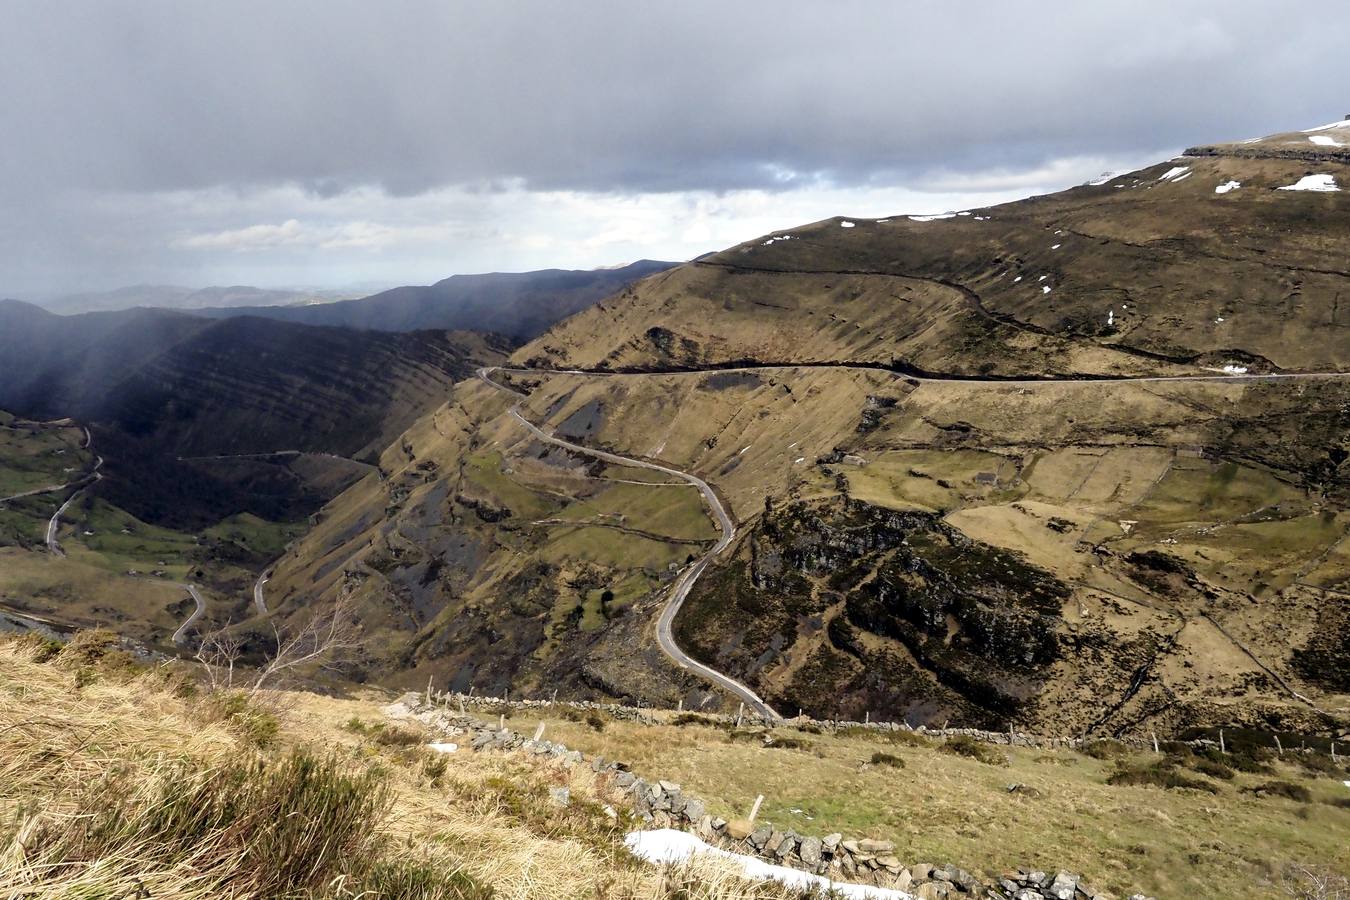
(110, 98)
(634, 95)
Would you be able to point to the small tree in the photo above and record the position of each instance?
(325, 634)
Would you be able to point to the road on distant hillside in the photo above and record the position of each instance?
(55, 522)
(181, 634)
(685, 583)
(937, 378)
(687, 579)
(258, 599)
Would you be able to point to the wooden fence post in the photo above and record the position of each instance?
(1222, 748)
(501, 722)
(539, 732)
(739, 713)
(754, 810)
(1155, 741)
(1278, 745)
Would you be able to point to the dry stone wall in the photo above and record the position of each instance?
(664, 804)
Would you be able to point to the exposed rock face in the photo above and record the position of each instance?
(876, 610)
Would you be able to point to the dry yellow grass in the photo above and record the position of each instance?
(72, 725)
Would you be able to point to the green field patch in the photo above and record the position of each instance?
(32, 458)
(601, 604)
(611, 547)
(120, 542)
(485, 471)
(933, 480)
(257, 535)
(674, 511)
(1197, 492)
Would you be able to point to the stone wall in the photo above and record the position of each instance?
(664, 804)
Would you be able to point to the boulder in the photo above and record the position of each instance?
(694, 810)
(830, 843)
(876, 847)
(810, 850)
(1063, 887)
(560, 795)
(775, 838)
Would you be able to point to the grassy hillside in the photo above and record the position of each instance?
(130, 780)
(120, 777)
(1153, 271)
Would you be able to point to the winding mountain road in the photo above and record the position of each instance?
(54, 523)
(181, 634)
(665, 636)
(687, 579)
(258, 599)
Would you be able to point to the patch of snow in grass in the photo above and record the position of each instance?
(1340, 123)
(778, 237)
(1045, 290)
(932, 218)
(1110, 317)
(1055, 246)
(1017, 279)
(799, 460)
(442, 747)
(1231, 369)
(1182, 177)
(882, 221)
(1218, 320)
(1227, 186)
(1324, 183)
(1102, 179)
(845, 224)
(1173, 173)
(745, 448)
(1322, 140)
(666, 845)
(1043, 277)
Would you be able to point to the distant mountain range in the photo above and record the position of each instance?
(167, 296)
(519, 305)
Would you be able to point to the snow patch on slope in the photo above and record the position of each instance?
(666, 845)
(1324, 183)
(1227, 186)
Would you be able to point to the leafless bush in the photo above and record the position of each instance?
(323, 636)
(1314, 883)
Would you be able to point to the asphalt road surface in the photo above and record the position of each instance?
(685, 583)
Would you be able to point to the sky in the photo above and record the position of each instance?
(333, 143)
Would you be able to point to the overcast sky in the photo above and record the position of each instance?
(327, 143)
